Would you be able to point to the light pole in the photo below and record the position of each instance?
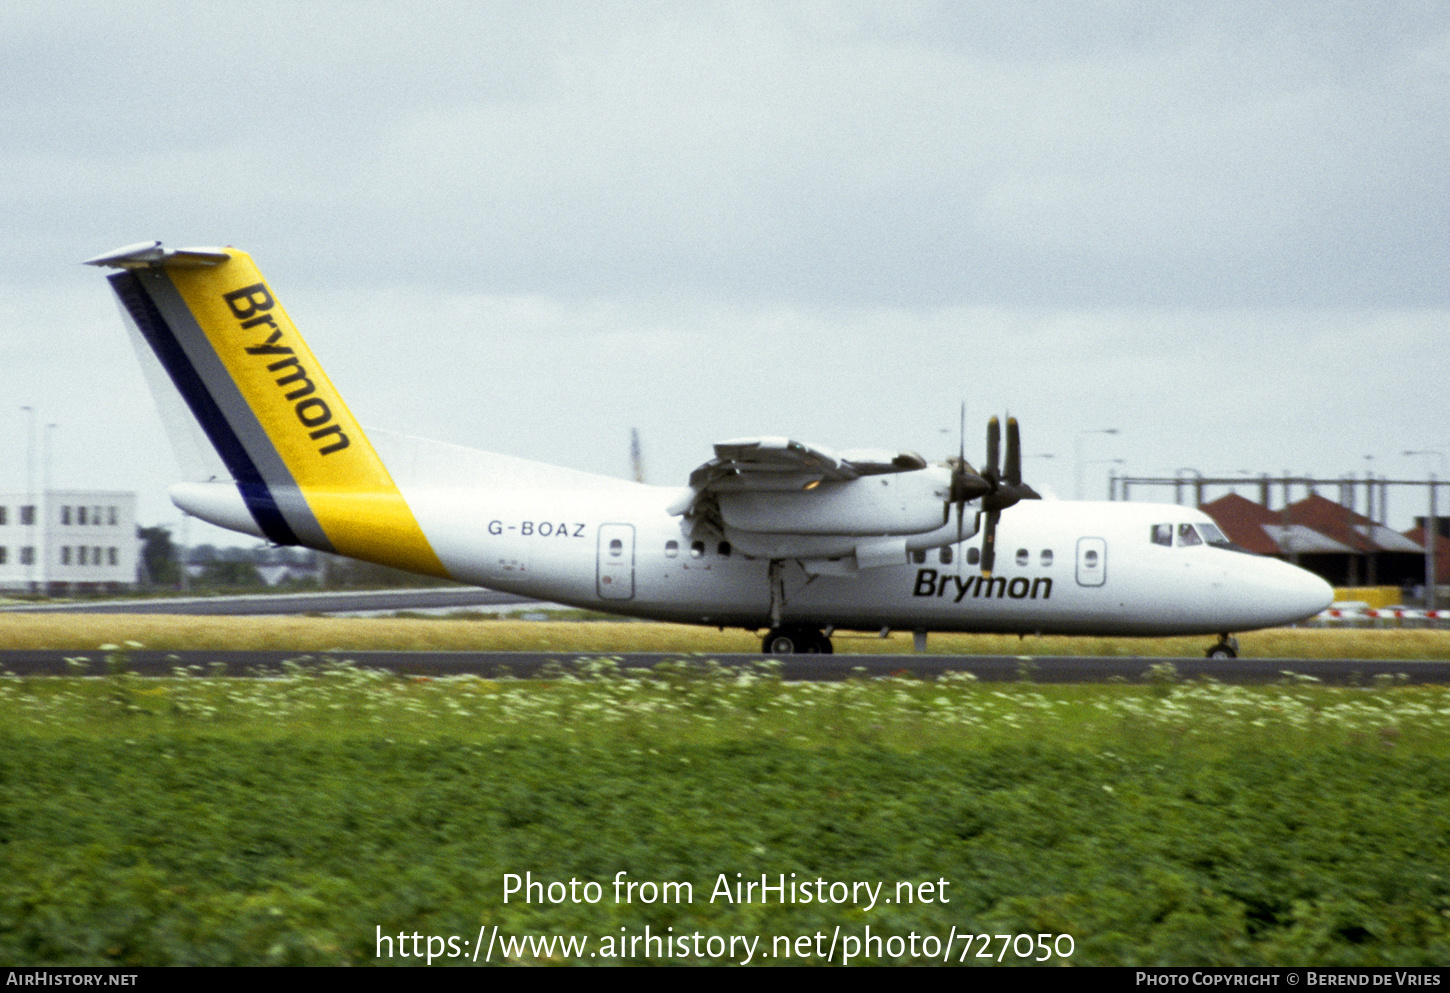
(1107, 462)
(1178, 488)
(28, 512)
(1077, 457)
(1369, 512)
(42, 505)
(1432, 535)
(1039, 455)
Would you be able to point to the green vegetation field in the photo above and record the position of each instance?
(300, 820)
(83, 632)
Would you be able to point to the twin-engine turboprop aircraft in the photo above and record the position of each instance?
(769, 534)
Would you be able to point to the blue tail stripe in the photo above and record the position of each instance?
(162, 339)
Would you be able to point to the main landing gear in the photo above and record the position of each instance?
(1227, 648)
(794, 639)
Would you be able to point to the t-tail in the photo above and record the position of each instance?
(305, 471)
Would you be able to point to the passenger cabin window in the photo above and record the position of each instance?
(1022, 556)
(919, 556)
(945, 555)
(1187, 536)
(724, 550)
(697, 549)
(974, 555)
(1046, 557)
(1090, 558)
(672, 548)
(616, 547)
(1163, 535)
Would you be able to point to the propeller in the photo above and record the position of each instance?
(966, 483)
(1004, 488)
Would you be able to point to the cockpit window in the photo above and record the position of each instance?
(1214, 536)
(1187, 536)
(1163, 534)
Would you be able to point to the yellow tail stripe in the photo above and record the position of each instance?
(334, 466)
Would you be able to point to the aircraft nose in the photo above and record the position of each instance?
(1307, 594)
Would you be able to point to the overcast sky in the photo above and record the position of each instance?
(530, 227)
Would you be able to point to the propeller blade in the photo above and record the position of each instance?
(1014, 453)
(994, 439)
(962, 437)
(989, 543)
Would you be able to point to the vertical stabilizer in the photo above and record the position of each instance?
(303, 466)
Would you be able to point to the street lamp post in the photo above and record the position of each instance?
(28, 513)
(1110, 477)
(1178, 485)
(1432, 535)
(1077, 456)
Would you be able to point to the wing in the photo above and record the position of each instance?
(778, 498)
(783, 464)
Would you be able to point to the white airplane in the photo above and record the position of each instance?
(769, 534)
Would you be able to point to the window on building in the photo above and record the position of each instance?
(96, 517)
(65, 515)
(80, 555)
(3, 552)
(111, 516)
(112, 557)
(80, 515)
(27, 515)
(2, 514)
(65, 555)
(27, 555)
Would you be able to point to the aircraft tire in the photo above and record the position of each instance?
(795, 641)
(1221, 652)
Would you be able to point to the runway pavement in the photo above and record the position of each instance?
(528, 665)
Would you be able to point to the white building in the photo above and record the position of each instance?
(68, 541)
